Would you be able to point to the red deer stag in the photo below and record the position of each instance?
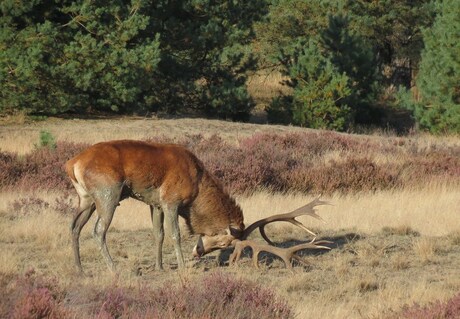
(173, 182)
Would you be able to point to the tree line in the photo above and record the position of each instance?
(346, 62)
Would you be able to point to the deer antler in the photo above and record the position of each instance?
(308, 209)
(284, 253)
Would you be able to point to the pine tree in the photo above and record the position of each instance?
(127, 55)
(319, 89)
(439, 79)
(353, 56)
(75, 56)
(332, 75)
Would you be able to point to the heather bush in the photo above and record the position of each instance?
(10, 169)
(217, 295)
(277, 162)
(42, 169)
(225, 161)
(115, 303)
(222, 296)
(353, 175)
(435, 310)
(36, 303)
(33, 296)
(294, 162)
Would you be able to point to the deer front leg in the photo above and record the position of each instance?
(172, 216)
(157, 216)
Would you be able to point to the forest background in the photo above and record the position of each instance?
(340, 64)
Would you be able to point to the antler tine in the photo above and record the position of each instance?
(307, 209)
(264, 235)
(286, 254)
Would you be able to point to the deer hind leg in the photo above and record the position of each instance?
(85, 210)
(172, 217)
(157, 215)
(106, 203)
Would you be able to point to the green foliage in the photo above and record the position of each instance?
(392, 26)
(76, 56)
(318, 89)
(376, 44)
(127, 56)
(288, 22)
(438, 109)
(139, 56)
(353, 56)
(333, 76)
(46, 139)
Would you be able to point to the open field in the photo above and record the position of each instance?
(392, 247)
(21, 138)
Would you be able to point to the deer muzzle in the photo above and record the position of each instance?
(198, 250)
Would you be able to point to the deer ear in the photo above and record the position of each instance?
(235, 232)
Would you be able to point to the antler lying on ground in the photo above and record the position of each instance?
(284, 253)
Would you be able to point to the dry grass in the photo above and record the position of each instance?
(22, 138)
(369, 270)
(18, 118)
(263, 86)
(390, 247)
(431, 211)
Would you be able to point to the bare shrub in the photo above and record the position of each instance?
(402, 230)
(28, 206)
(64, 204)
(455, 238)
(426, 249)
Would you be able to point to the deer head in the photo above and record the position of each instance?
(233, 237)
(220, 240)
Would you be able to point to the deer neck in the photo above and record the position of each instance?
(214, 210)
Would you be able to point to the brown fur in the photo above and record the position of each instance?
(206, 206)
(213, 209)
